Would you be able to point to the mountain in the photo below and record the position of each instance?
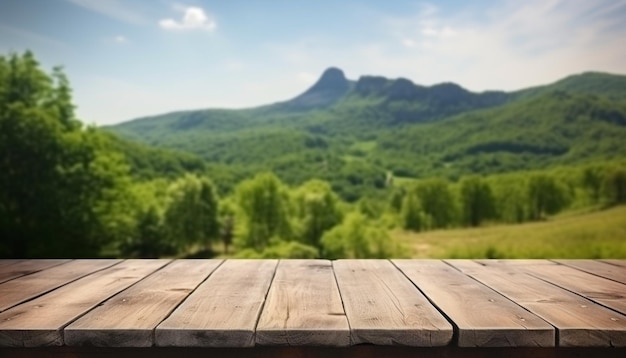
(353, 133)
(329, 89)
(593, 83)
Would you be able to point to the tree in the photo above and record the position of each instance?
(191, 216)
(357, 238)
(281, 250)
(150, 239)
(476, 200)
(264, 210)
(510, 197)
(437, 201)
(58, 181)
(317, 208)
(413, 217)
(396, 198)
(592, 182)
(545, 196)
(227, 224)
(615, 185)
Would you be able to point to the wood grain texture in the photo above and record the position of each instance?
(303, 307)
(384, 308)
(27, 287)
(18, 268)
(39, 322)
(129, 318)
(483, 317)
(621, 263)
(516, 262)
(598, 289)
(5, 262)
(598, 268)
(580, 322)
(224, 309)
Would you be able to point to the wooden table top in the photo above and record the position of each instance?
(244, 303)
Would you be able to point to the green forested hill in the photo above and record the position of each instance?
(375, 126)
(67, 190)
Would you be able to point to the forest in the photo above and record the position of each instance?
(70, 190)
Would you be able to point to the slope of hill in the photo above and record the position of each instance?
(353, 132)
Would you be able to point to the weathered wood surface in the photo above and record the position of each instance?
(303, 303)
(598, 289)
(383, 307)
(603, 269)
(483, 317)
(621, 263)
(30, 286)
(129, 318)
(39, 322)
(17, 268)
(224, 310)
(579, 321)
(303, 307)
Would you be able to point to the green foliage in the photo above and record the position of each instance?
(317, 208)
(227, 212)
(436, 201)
(148, 163)
(545, 196)
(281, 250)
(264, 207)
(357, 237)
(413, 217)
(592, 182)
(510, 196)
(382, 125)
(476, 200)
(66, 190)
(150, 239)
(192, 214)
(615, 186)
(58, 181)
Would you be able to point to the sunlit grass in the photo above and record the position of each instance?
(599, 234)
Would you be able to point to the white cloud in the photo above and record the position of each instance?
(408, 43)
(429, 31)
(511, 45)
(194, 18)
(120, 39)
(116, 9)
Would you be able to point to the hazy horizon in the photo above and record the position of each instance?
(127, 59)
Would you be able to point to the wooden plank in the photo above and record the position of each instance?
(384, 308)
(483, 317)
(598, 268)
(39, 322)
(598, 289)
(303, 307)
(27, 287)
(224, 309)
(621, 263)
(129, 318)
(580, 322)
(6, 262)
(515, 262)
(26, 267)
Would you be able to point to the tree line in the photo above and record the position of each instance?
(68, 190)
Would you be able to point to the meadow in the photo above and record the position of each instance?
(589, 234)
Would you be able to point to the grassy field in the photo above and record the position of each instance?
(599, 234)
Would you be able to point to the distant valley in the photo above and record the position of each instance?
(380, 128)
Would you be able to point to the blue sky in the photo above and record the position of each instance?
(133, 58)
